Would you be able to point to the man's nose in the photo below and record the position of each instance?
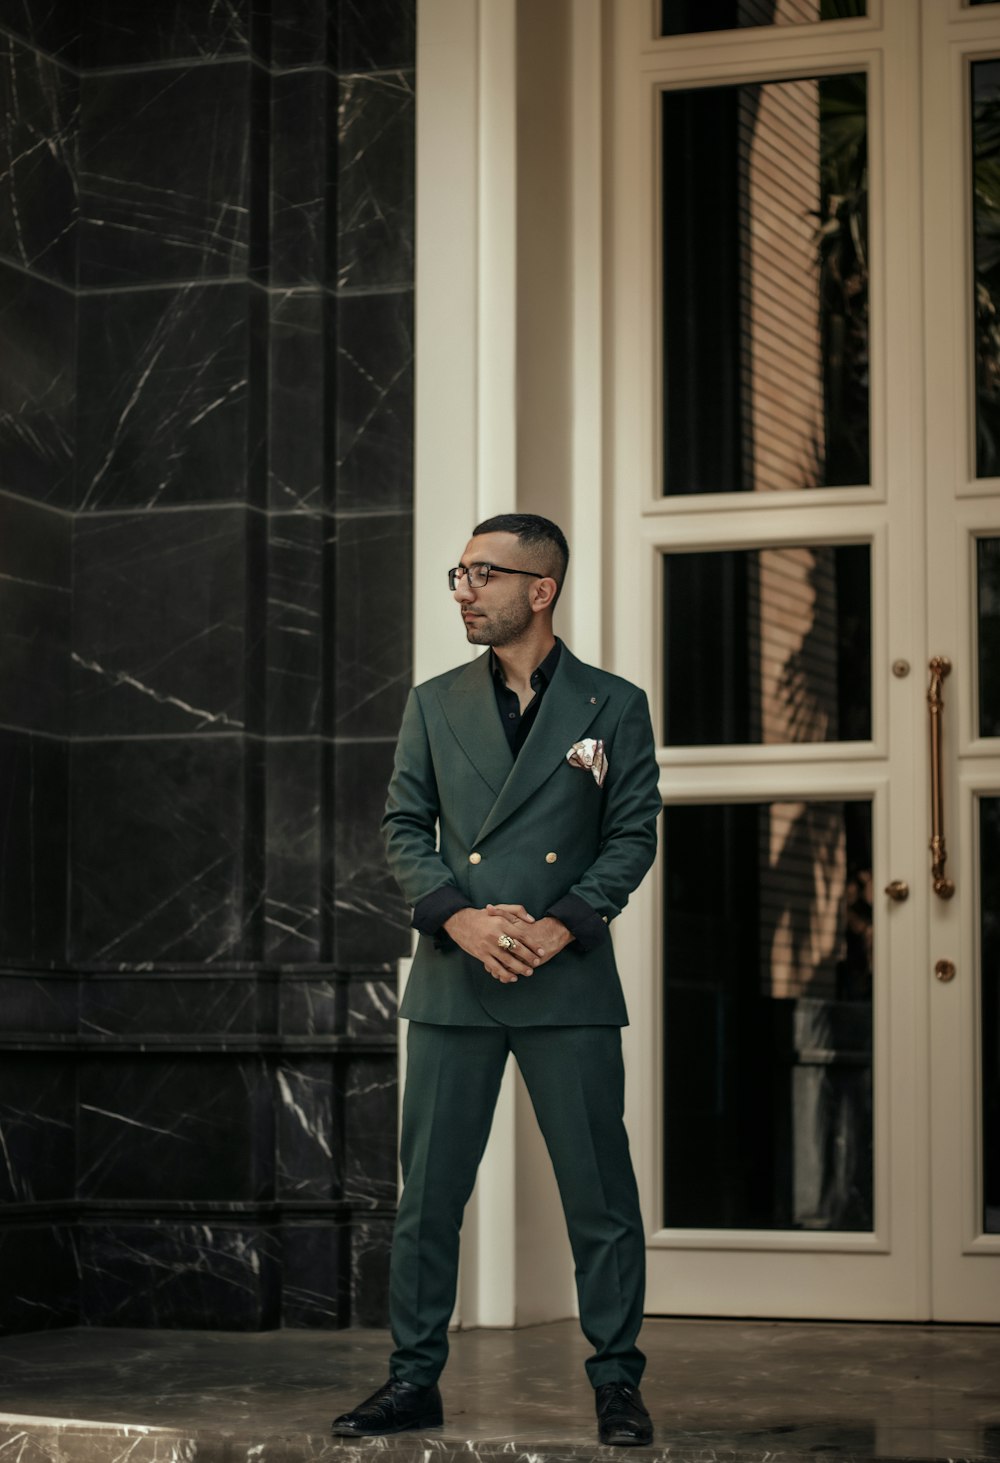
(463, 592)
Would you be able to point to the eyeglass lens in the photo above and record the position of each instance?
(477, 575)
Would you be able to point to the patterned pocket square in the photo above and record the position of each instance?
(589, 754)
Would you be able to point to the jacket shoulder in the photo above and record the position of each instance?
(437, 684)
(615, 687)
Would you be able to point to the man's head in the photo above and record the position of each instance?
(534, 553)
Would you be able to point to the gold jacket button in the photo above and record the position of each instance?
(475, 858)
(550, 858)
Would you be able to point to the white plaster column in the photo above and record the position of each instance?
(490, 130)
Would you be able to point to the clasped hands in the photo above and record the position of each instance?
(535, 941)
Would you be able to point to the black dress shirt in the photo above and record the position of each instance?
(583, 922)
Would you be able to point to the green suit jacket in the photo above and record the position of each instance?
(462, 811)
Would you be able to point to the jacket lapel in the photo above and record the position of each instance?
(569, 706)
(470, 707)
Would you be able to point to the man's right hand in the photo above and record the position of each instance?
(477, 933)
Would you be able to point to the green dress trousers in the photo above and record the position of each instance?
(575, 1078)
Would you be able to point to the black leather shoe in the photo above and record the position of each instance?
(622, 1419)
(397, 1407)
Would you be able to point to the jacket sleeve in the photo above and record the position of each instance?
(409, 826)
(632, 806)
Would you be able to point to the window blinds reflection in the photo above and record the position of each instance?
(765, 286)
(680, 17)
(767, 646)
(768, 1015)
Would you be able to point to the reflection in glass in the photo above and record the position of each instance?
(988, 605)
(767, 646)
(989, 940)
(986, 257)
(765, 286)
(680, 17)
(768, 1016)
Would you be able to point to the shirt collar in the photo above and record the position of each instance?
(540, 676)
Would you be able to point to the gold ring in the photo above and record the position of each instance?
(505, 942)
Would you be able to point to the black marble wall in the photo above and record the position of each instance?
(206, 264)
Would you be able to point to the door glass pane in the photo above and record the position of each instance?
(988, 599)
(680, 17)
(765, 286)
(767, 646)
(989, 894)
(768, 1016)
(986, 258)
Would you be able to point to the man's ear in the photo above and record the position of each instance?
(543, 593)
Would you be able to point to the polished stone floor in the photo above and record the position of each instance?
(736, 1392)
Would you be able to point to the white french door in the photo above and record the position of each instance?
(804, 407)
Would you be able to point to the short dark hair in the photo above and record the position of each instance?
(534, 532)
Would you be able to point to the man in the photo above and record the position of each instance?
(521, 815)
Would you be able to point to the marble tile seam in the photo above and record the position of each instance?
(39, 276)
(12, 35)
(176, 63)
(248, 736)
(30, 502)
(192, 63)
(81, 739)
(158, 510)
(88, 971)
(35, 584)
(61, 738)
(314, 289)
(155, 1044)
(317, 290)
(194, 1211)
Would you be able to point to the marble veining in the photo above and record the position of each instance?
(34, 776)
(299, 32)
(201, 697)
(157, 851)
(308, 1158)
(720, 1392)
(163, 397)
(371, 918)
(164, 175)
(37, 388)
(296, 630)
(120, 33)
(177, 1274)
(374, 667)
(370, 1104)
(38, 203)
(375, 35)
(298, 329)
(299, 178)
(37, 1129)
(376, 148)
(374, 402)
(46, 25)
(147, 672)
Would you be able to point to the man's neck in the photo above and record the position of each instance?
(519, 659)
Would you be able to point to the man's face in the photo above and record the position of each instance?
(500, 611)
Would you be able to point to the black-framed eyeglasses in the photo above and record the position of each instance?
(479, 574)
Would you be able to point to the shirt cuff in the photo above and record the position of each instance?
(430, 913)
(588, 928)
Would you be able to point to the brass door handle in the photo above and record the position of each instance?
(899, 890)
(940, 667)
